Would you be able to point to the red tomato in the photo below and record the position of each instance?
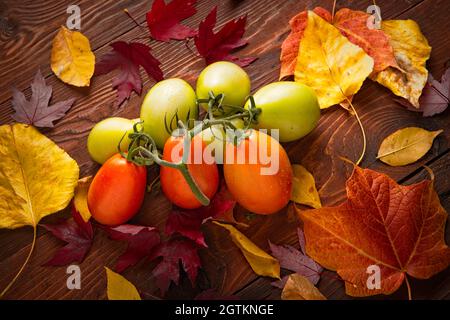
(205, 174)
(117, 191)
(259, 193)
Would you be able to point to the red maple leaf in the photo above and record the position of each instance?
(218, 46)
(77, 234)
(188, 222)
(36, 111)
(173, 252)
(141, 240)
(163, 20)
(128, 57)
(296, 261)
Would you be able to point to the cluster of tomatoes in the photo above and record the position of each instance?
(286, 108)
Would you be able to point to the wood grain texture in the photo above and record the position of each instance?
(26, 45)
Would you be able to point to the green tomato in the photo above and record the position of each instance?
(288, 106)
(105, 136)
(164, 103)
(227, 78)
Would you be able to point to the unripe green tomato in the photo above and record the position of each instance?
(166, 99)
(216, 138)
(227, 78)
(104, 138)
(289, 106)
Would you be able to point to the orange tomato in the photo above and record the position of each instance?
(117, 191)
(257, 192)
(173, 183)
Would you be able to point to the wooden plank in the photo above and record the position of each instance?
(226, 269)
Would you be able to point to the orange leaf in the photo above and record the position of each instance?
(399, 229)
(353, 25)
(290, 46)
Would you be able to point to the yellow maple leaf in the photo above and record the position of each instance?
(411, 51)
(119, 288)
(72, 60)
(37, 178)
(261, 262)
(329, 63)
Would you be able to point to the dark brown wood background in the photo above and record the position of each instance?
(27, 28)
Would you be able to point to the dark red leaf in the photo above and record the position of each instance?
(173, 252)
(218, 46)
(141, 240)
(77, 234)
(435, 96)
(128, 57)
(163, 20)
(37, 111)
(188, 222)
(296, 261)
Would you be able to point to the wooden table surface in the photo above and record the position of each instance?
(27, 28)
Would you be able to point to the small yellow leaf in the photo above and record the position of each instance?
(329, 63)
(406, 146)
(80, 197)
(304, 187)
(72, 60)
(261, 262)
(119, 288)
(411, 51)
(297, 287)
(37, 178)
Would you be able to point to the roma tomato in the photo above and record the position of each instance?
(288, 106)
(259, 174)
(117, 191)
(202, 168)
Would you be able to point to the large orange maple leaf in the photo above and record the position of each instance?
(398, 228)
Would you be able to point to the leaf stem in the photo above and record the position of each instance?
(23, 265)
(363, 152)
(408, 287)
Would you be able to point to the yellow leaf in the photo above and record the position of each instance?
(304, 187)
(329, 63)
(119, 288)
(298, 287)
(72, 59)
(406, 146)
(261, 262)
(80, 197)
(37, 178)
(411, 51)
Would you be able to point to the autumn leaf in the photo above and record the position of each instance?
(435, 96)
(80, 198)
(261, 262)
(78, 235)
(406, 146)
(163, 20)
(298, 287)
(212, 294)
(296, 261)
(398, 228)
(329, 63)
(353, 24)
(72, 60)
(188, 222)
(290, 46)
(119, 288)
(304, 187)
(411, 51)
(128, 57)
(218, 46)
(37, 111)
(173, 252)
(141, 241)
